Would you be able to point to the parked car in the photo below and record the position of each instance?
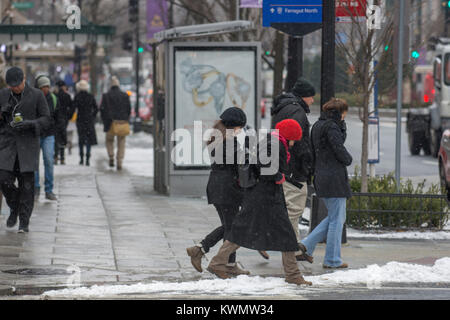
(444, 162)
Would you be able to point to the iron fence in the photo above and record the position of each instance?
(382, 211)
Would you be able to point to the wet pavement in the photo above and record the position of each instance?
(110, 227)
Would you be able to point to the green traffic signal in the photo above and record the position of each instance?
(140, 49)
(386, 48)
(415, 54)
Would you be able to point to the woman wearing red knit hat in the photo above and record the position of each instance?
(263, 222)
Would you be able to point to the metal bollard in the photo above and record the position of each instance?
(318, 213)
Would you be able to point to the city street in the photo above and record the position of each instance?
(109, 228)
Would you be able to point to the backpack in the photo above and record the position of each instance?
(248, 174)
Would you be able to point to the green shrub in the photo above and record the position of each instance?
(409, 211)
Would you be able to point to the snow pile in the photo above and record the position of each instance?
(391, 272)
(426, 235)
(372, 276)
(242, 285)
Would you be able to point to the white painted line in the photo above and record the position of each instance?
(432, 163)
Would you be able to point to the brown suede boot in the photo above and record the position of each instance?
(218, 264)
(236, 271)
(196, 255)
(292, 273)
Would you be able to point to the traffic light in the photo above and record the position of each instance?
(127, 42)
(415, 54)
(133, 11)
(386, 48)
(140, 50)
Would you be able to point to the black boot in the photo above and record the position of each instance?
(12, 220)
(81, 160)
(87, 161)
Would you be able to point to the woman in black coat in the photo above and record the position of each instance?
(330, 182)
(223, 189)
(86, 107)
(263, 222)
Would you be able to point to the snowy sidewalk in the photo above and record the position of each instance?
(110, 228)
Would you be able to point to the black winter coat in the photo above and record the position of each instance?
(288, 106)
(86, 107)
(24, 144)
(62, 116)
(331, 157)
(263, 222)
(223, 186)
(115, 105)
(51, 130)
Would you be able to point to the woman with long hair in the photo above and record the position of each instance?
(330, 182)
(223, 189)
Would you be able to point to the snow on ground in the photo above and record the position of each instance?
(372, 276)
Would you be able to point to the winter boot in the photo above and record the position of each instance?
(304, 256)
(87, 161)
(12, 220)
(23, 227)
(218, 264)
(111, 162)
(291, 271)
(55, 161)
(234, 270)
(50, 196)
(81, 160)
(264, 254)
(196, 254)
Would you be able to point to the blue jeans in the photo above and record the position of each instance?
(48, 152)
(329, 229)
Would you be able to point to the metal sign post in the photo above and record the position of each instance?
(399, 94)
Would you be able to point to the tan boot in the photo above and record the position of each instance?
(292, 273)
(218, 264)
(196, 255)
(236, 271)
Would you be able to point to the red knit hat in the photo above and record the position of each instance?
(290, 129)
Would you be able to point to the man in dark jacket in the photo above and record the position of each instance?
(23, 114)
(115, 106)
(62, 120)
(295, 105)
(47, 140)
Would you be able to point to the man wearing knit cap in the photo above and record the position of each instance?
(47, 141)
(23, 114)
(115, 109)
(295, 105)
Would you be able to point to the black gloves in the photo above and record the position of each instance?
(24, 125)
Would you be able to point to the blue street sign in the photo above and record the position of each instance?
(291, 11)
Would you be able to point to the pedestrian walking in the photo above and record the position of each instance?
(331, 160)
(23, 114)
(47, 140)
(296, 105)
(85, 106)
(223, 189)
(263, 222)
(115, 110)
(62, 120)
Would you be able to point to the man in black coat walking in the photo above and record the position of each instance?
(115, 106)
(295, 105)
(23, 114)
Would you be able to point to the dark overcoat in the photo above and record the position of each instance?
(62, 116)
(223, 186)
(263, 222)
(24, 144)
(115, 105)
(86, 107)
(289, 106)
(331, 157)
